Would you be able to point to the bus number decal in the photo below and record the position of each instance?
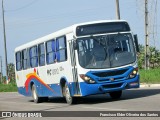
(55, 71)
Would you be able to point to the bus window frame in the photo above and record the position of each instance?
(19, 61)
(33, 57)
(22, 55)
(39, 55)
(59, 49)
(47, 53)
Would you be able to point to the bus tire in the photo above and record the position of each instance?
(69, 99)
(35, 95)
(115, 94)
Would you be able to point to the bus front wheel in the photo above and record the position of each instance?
(115, 94)
(69, 99)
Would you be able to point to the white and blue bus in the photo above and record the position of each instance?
(84, 59)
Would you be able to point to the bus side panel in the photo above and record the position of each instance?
(22, 91)
(42, 90)
(47, 79)
(46, 85)
(19, 78)
(55, 91)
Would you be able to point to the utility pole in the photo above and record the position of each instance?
(5, 48)
(1, 69)
(117, 10)
(146, 37)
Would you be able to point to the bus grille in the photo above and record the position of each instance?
(110, 73)
(104, 80)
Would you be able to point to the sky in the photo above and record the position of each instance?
(26, 20)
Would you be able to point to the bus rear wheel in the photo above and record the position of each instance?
(115, 94)
(35, 95)
(69, 99)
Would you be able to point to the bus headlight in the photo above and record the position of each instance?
(133, 73)
(86, 78)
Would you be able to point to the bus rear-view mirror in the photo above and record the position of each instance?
(136, 42)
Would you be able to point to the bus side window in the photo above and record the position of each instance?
(18, 61)
(41, 54)
(24, 59)
(33, 56)
(50, 52)
(61, 49)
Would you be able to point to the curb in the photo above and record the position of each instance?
(149, 85)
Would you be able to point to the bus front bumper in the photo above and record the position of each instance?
(101, 88)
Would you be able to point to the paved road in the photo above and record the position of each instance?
(143, 99)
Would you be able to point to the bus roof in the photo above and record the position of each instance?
(61, 32)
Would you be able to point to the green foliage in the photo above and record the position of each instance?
(11, 87)
(141, 57)
(8, 87)
(11, 74)
(154, 57)
(150, 76)
(11, 71)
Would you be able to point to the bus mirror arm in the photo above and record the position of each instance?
(75, 45)
(136, 42)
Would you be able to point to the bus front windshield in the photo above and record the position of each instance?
(106, 51)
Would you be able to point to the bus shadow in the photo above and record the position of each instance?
(103, 98)
(52, 100)
(127, 95)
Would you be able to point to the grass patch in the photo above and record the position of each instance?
(8, 88)
(150, 76)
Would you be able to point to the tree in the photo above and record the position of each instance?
(141, 57)
(11, 72)
(154, 57)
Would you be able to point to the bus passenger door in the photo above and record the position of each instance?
(74, 67)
